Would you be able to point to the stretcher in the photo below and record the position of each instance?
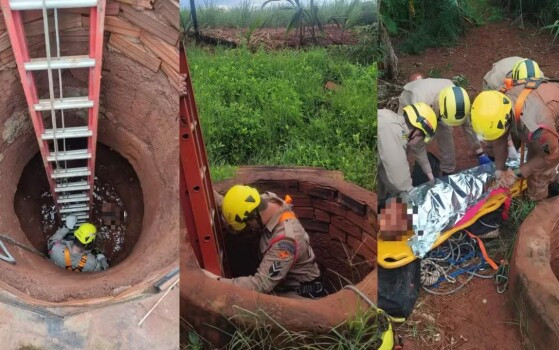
(394, 254)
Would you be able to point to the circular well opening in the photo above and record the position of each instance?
(116, 184)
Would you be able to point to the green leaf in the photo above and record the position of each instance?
(390, 24)
(295, 20)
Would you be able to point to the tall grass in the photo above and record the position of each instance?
(273, 109)
(244, 14)
(258, 331)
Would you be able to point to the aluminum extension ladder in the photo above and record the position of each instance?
(203, 223)
(71, 172)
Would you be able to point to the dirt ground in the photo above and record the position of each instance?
(473, 57)
(476, 317)
(34, 202)
(275, 38)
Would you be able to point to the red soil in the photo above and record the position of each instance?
(474, 56)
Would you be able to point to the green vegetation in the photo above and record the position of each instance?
(428, 23)
(273, 109)
(257, 330)
(541, 12)
(246, 14)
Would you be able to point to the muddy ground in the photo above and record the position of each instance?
(116, 184)
(276, 38)
(477, 317)
(472, 58)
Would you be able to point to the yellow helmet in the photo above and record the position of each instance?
(491, 114)
(239, 204)
(421, 116)
(85, 233)
(454, 105)
(526, 69)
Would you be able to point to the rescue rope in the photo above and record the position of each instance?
(458, 255)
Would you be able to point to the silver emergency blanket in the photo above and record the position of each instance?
(440, 204)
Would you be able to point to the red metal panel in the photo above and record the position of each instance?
(96, 35)
(201, 215)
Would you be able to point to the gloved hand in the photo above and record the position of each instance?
(102, 259)
(71, 221)
(210, 274)
(507, 179)
(483, 159)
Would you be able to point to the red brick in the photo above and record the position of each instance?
(319, 191)
(301, 200)
(338, 234)
(304, 212)
(321, 215)
(312, 225)
(354, 205)
(331, 207)
(361, 248)
(361, 221)
(346, 226)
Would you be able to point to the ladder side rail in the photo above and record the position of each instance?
(15, 28)
(198, 199)
(96, 36)
(187, 213)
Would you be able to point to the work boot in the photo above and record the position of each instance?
(552, 190)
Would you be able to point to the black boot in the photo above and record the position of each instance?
(552, 190)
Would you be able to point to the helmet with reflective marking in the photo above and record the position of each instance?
(421, 116)
(239, 205)
(526, 69)
(491, 115)
(454, 105)
(86, 233)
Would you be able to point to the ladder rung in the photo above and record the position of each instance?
(67, 133)
(70, 172)
(74, 208)
(65, 103)
(18, 5)
(83, 61)
(73, 198)
(73, 186)
(69, 155)
(78, 217)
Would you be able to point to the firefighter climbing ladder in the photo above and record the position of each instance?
(70, 169)
(198, 204)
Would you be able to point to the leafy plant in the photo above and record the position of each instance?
(262, 108)
(553, 28)
(304, 18)
(541, 12)
(428, 23)
(346, 19)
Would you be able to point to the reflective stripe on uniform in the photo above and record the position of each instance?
(285, 216)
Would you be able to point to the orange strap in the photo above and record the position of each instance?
(286, 215)
(81, 264)
(68, 260)
(483, 251)
(520, 103)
